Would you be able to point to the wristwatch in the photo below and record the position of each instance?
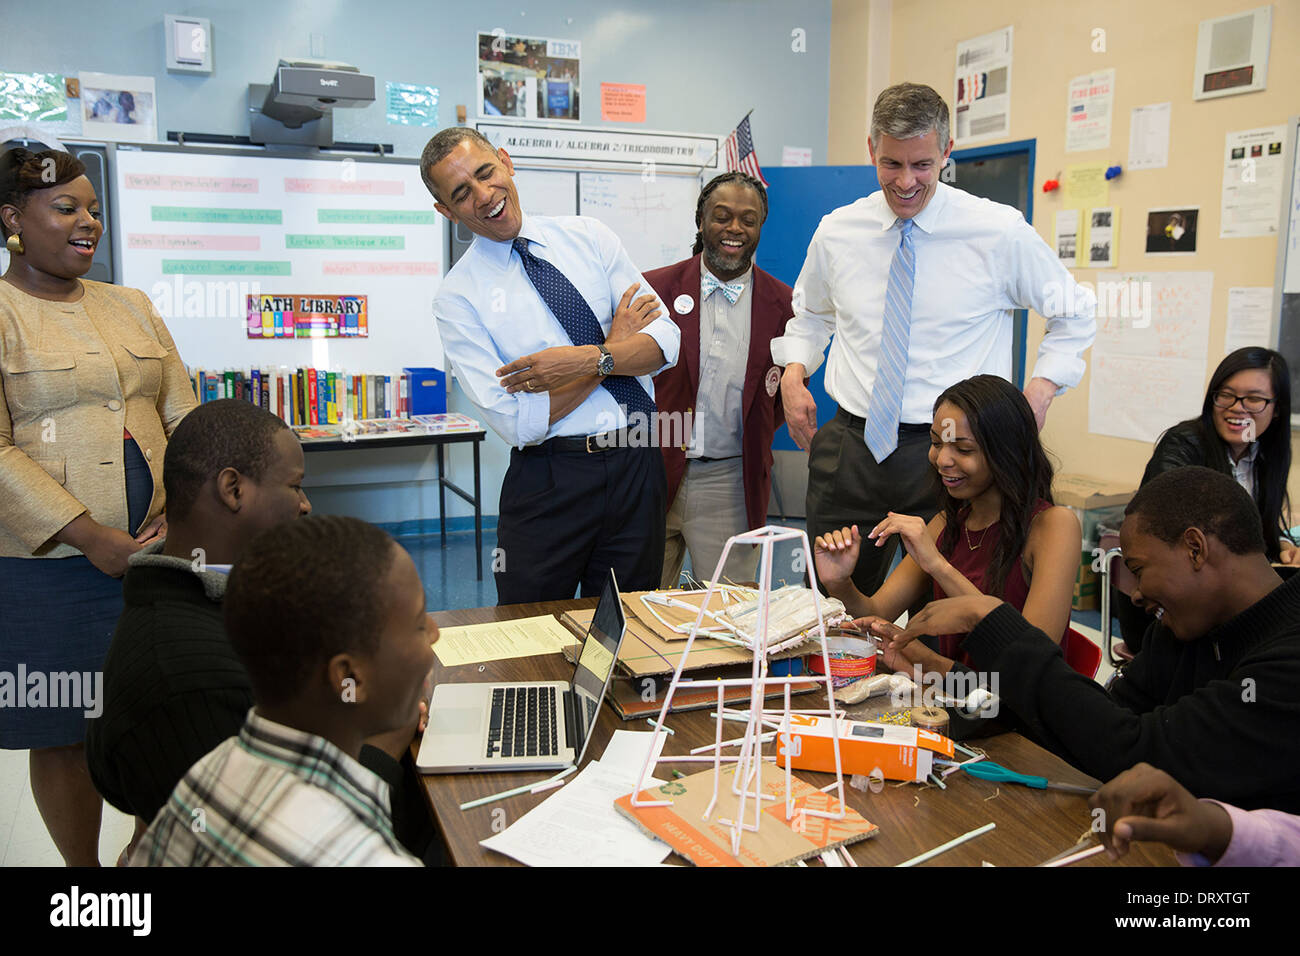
(605, 364)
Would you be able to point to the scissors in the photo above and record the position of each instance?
(987, 770)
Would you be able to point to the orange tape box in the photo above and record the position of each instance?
(901, 753)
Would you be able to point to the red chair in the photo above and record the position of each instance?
(1081, 654)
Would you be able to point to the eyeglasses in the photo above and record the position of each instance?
(1251, 403)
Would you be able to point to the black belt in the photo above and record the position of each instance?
(588, 444)
(711, 460)
(860, 423)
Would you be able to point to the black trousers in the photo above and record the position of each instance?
(567, 516)
(846, 486)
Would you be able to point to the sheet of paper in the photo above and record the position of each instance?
(1103, 237)
(982, 87)
(796, 155)
(1148, 137)
(410, 104)
(1249, 312)
(32, 98)
(1148, 363)
(502, 640)
(627, 751)
(579, 826)
(622, 102)
(1084, 185)
(1252, 182)
(1067, 236)
(1089, 106)
(597, 658)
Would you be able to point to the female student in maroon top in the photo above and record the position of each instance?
(998, 533)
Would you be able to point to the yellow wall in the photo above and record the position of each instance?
(1152, 45)
(849, 111)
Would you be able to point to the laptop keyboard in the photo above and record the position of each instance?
(523, 722)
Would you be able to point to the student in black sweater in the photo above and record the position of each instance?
(173, 686)
(1213, 698)
(1241, 432)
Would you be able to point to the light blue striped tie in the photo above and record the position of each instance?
(881, 431)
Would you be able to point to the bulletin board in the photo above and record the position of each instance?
(200, 229)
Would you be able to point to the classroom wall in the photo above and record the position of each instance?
(704, 64)
(1152, 46)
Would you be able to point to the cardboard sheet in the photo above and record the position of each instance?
(777, 842)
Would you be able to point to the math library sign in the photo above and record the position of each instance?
(587, 145)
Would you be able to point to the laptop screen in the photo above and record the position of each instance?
(596, 661)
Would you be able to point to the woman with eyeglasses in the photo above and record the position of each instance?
(1244, 430)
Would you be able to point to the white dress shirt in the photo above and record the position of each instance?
(718, 422)
(976, 262)
(1244, 470)
(489, 314)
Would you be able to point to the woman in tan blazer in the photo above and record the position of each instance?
(90, 387)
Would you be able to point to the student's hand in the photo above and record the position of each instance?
(549, 369)
(632, 316)
(1039, 392)
(800, 407)
(1290, 554)
(894, 659)
(1146, 804)
(157, 528)
(956, 615)
(835, 555)
(916, 540)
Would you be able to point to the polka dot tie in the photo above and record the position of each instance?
(579, 323)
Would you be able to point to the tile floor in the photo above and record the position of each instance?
(23, 839)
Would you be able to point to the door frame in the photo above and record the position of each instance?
(1020, 317)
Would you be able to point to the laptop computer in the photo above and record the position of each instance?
(527, 725)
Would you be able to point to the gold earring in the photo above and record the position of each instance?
(15, 245)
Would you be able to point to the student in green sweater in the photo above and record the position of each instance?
(1213, 698)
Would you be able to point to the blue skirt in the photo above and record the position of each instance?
(57, 617)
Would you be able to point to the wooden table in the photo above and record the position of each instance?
(1032, 825)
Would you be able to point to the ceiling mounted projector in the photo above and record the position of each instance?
(296, 107)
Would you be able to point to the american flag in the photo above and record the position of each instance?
(739, 152)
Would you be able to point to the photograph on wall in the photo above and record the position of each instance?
(528, 77)
(119, 109)
(1067, 237)
(1103, 233)
(1172, 232)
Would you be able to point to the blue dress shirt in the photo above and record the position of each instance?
(489, 314)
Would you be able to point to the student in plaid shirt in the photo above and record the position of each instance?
(337, 652)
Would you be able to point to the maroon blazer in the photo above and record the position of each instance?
(675, 388)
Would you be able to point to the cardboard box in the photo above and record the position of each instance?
(901, 753)
(1094, 501)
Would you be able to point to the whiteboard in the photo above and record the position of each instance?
(655, 219)
(547, 192)
(199, 231)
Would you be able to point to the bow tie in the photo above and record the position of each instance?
(709, 282)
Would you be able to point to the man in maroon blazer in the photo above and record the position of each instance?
(719, 406)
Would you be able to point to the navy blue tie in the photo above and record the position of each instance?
(579, 323)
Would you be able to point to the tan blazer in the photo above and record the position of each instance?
(73, 375)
